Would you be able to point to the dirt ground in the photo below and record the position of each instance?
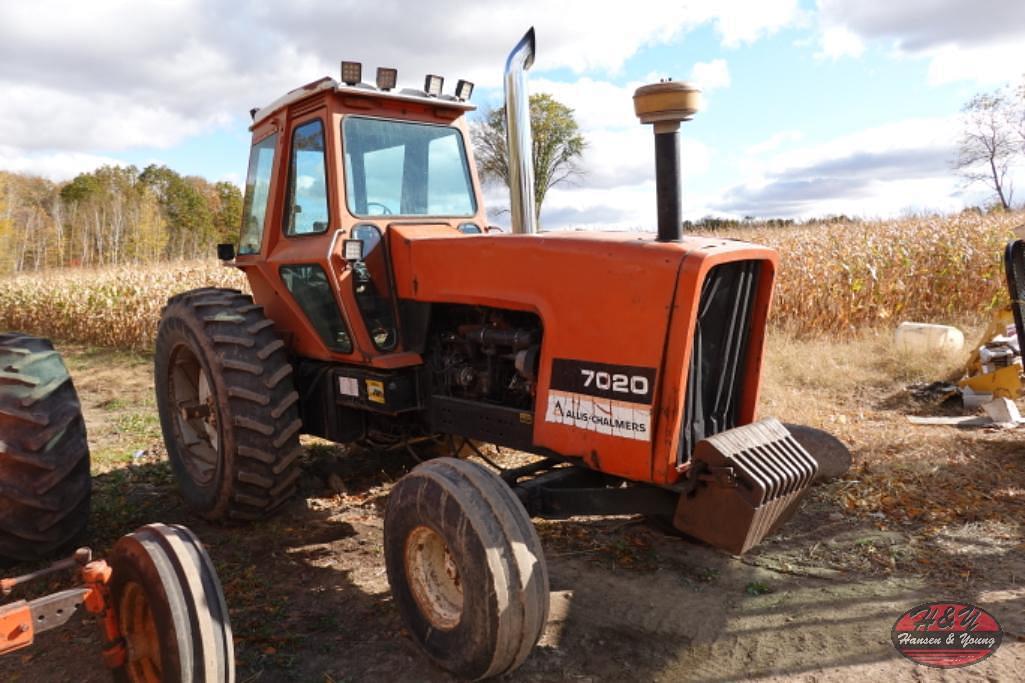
(926, 513)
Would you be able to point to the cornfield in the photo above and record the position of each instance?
(113, 307)
(834, 279)
(839, 278)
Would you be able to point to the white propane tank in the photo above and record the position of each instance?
(926, 337)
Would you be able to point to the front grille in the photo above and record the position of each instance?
(720, 348)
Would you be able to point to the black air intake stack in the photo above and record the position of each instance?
(665, 105)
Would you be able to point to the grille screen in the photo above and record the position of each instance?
(720, 347)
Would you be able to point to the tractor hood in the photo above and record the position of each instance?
(618, 299)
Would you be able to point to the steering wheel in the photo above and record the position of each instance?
(385, 211)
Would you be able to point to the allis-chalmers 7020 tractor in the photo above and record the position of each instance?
(384, 311)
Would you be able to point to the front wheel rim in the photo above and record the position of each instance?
(434, 578)
(139, 630)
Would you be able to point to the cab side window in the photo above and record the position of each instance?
(254, 209)
(306, 211)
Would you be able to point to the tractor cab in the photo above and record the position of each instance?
(333, 167)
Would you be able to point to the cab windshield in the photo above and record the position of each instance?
(405, 169)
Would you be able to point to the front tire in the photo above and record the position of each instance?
(466, 568)
(228, 405)
(170, 608)
(45, 483)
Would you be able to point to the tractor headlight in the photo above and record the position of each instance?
(386, 78)
(463, 90)
(433, 85)
(352, 73)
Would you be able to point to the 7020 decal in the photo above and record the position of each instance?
(630, 383)
(617, 382)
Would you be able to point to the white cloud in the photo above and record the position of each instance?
(978, 41)
(880, 171)
(742, 21)
(595, 103)
(53, 165)
(618, 188)
(774, 142)
(711, 75)
(990, 64)
(838, 41)
(116, 74)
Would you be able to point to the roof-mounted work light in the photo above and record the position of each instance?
(433, 84)
(463, 90)
(386, 78)
(352, 250)
(352, 73)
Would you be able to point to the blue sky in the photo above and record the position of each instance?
(812, 108)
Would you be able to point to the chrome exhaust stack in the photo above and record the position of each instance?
(518, 141)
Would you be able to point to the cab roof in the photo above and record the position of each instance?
(365, 89)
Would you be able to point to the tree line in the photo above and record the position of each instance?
(111, 216)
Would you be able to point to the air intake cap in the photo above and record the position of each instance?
(666, 102)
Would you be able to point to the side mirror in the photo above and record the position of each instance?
(226, 252)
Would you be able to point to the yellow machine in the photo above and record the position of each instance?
(1002, 381)
(993, 366)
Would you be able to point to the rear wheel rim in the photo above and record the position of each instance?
(140, 633)
(196, 420)
(434, 578)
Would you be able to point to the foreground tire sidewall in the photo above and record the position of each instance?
(467, 648)
(132, 564)
(173, 571)
(22, 481)
(175, 332)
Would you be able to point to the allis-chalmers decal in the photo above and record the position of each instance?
(602, 398)
(946, 634)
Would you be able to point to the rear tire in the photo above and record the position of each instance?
(170, 608)
(45, 482)
(466, 568)
(228, 406)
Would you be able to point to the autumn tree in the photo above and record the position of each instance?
(988, 146)
(228, 214)
(1018, 115)
(557, 145)
(113, 215)
(190, 220)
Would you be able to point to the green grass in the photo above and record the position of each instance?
(115, 404)
(757, 588)
(143, 424)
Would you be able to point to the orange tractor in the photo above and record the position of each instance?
(157, 597)
(384, 311)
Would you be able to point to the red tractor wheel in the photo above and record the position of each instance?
(170, 608)
(466, 568)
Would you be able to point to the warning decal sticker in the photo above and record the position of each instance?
(625, 419)
(375, 391)
(348, 386)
